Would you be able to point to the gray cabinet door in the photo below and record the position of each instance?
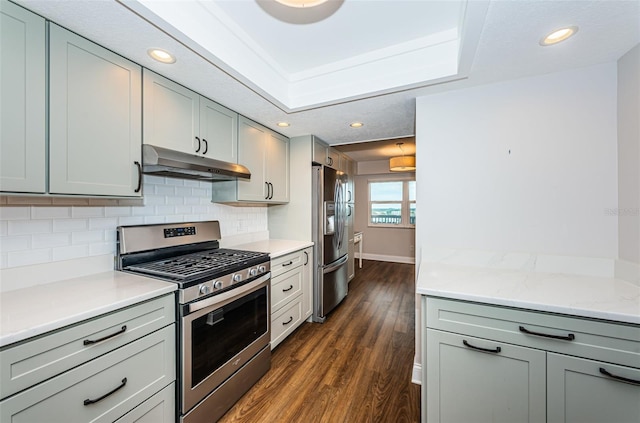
(252, 154)
(22, 102)
(469, 385)
(277, 171)
(578, 392)
(171, 115)
(218, 131)
(95, 124)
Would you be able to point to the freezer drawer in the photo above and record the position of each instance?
(331, 288)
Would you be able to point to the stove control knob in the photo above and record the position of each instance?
(217, 284)
(253, 272)
(237, 277)
(204, 289)
(262, 269)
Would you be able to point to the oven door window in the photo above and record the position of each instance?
(222, 333)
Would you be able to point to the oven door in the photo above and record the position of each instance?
(220, 334)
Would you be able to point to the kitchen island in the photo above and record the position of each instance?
(514, 345)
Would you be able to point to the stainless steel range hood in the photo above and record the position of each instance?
(161, 161)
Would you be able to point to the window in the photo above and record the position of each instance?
(392, 203)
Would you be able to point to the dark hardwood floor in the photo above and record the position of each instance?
(356, 367)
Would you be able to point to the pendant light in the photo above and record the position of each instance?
(402, 163)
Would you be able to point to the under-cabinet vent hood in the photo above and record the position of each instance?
(161, 161)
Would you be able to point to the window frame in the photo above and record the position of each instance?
(405, 204)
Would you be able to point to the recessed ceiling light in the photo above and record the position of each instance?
(161, 56)
(283, 124)
(558, 35)
(301, 3)
(356, 125)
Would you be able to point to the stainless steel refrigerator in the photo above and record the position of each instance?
(330, 240)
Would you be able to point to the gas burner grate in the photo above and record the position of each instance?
(195, 264)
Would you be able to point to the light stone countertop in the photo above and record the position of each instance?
(35, 310)
(275, 247)
(584, 296)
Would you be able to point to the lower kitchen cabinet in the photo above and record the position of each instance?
(290, 290)
(95, 371)
(579, 391)
(160, 408)
(475, 380)
(486, 363)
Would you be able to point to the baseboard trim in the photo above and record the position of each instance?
(384, 257)
(416, 374)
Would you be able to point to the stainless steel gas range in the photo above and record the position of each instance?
(223, 310)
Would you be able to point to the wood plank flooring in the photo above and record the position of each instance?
(356, 367)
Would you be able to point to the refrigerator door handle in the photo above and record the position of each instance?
(336, 264)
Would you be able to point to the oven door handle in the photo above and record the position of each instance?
(230, 295)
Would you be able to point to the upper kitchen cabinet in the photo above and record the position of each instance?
(180, 119)
(94, 118)
(266, 154)
(23, 101)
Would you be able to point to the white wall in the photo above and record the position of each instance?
(33, 234)
(526, 165)
(629, 156)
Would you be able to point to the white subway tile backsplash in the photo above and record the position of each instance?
(50, 212)
(32, 235)
(87, 211)
(51, 240)
(71, 252)
(87, 237)
(15, 213)
(15, 243)
(21, 227)
(103, 223)
(68, 225)
(25, 258)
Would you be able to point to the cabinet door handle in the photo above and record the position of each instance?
(306, 258)
(288, 289)
(89, 341)
(288, 321)
(330, 160)
(569, 337)
(139, 166)
(266, 197)
(624, 379)
(206, 146)
(287, 264)
(271, 190)
(496, 350)
(199, 145)
(90, 401)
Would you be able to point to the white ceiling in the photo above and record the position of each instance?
(267, 61)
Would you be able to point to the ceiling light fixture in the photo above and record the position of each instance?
(301, 3)
(356, 124)
(558, 35)
(402, 163)
(283, 124)
(161, 56)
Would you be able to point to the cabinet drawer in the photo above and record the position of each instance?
(285, 321)
(285, 287)
(606, 341)
(32, 362)
(287, 262)
(138, 369)
(160, 408)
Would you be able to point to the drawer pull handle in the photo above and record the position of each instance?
(287, 264)
(288, 321)
(90, 401)
(569, 337)
(624, 379)
(89, 341)
(496, 350)
(288, 289)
